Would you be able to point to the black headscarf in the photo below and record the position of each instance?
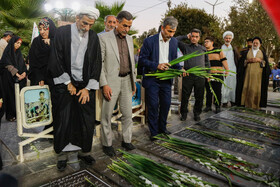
(12, 57)
(40, 51)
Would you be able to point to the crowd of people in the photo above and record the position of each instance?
(76, 61)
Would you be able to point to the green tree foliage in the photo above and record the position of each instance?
(190, 18)
(144, 35)
(250, 20)
(18, 16)
(105, 10)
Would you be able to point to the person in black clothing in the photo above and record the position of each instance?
(217, 61)
(75, 66)
(192, 81)
(1, 114)
(39, 53)
(12, 70)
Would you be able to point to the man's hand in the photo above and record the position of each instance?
(107, 92)
(41, 83)
(163, 66)
(71, 88)
(185, 73)
(84, 96)
(135, 89)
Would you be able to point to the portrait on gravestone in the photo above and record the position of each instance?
(136, 99)
(37, 106)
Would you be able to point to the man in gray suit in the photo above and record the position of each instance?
(117, 81)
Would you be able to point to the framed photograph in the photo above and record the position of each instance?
(36, 107)
(136, 98)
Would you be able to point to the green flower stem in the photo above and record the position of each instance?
(256, 121)
(217, 161)
(141, 171)
(243, 128)
(225, 138)
(256, 112)
(89, 181)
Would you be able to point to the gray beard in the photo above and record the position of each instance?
(256, 48)
(227, 43)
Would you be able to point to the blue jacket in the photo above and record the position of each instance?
(149, 58)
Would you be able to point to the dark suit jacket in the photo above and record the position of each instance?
(149, 58)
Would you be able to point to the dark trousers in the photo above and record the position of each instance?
(217, 88)
(158, 97)
(190, 82)
(276, 83)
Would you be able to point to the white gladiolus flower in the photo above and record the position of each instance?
(148, 182)
(178, 182)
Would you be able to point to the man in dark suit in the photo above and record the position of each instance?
(156, 53)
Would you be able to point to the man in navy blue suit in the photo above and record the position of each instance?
(156, 53)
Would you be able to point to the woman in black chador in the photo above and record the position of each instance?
(12, 70)
(39, 53)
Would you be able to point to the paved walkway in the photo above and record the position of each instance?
(40, 165)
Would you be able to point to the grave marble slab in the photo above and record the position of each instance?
(77, 179)
(254, 120)
(262, 135)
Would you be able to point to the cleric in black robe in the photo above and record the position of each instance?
(40, 51)
(241, 76)
(12, 70)
(75, 65)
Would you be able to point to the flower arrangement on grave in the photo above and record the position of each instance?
(257, 121)
(241, 127)
(141, 171)
(217, 161)
(225, 138)
(257, 112)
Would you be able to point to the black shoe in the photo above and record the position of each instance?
(152, 138)
(61, 165)
(207, 109)
(166, 132)
(232, 104)
(218, 109)
(109, 151)
(196, 118)
(183, 117)
(128, 146)
(87, 159)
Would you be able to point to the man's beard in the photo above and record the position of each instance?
(256, 48)
(227, 43)
(82, 32)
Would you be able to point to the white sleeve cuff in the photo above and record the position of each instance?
(64, 78)
(92, 84)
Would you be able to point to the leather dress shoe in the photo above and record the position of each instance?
(109, 150)
(61, 165)
(183, 117)
(218, 110)
(128, 146)
(89, 160)
(152, 138)
(196, 118)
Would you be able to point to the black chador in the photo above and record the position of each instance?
(39, 55)
(73, 122)
(12, 62)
